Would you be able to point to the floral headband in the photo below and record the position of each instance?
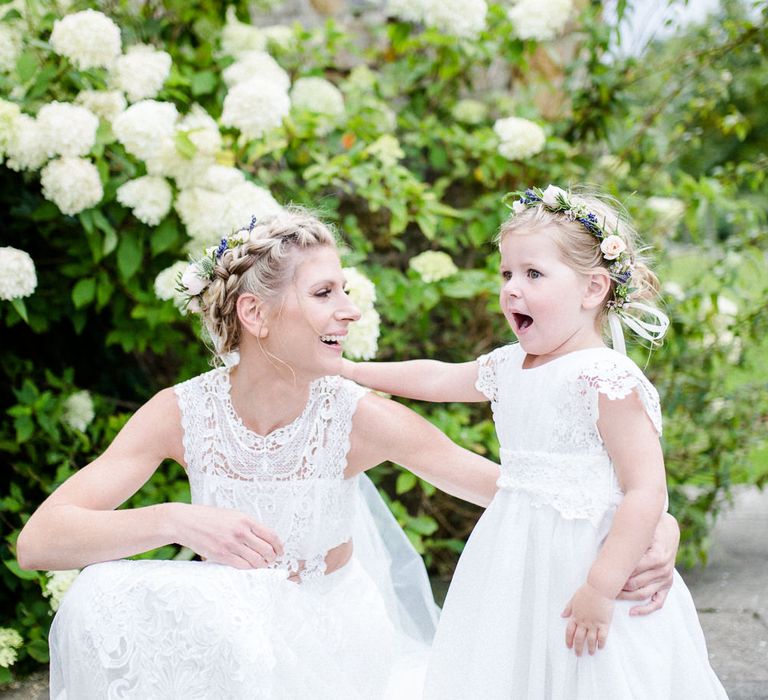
(612, 246)
(614, 250)
(199, 273)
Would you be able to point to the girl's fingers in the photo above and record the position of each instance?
(591, 640)
(602, 636)
(578, 640)
(570, 630)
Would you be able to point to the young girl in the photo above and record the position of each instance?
(582, 478)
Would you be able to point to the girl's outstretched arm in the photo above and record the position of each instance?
(383, 430)
(424, 380)
(634, 448)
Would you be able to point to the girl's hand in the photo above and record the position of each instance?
(590, 614)
(224, 536)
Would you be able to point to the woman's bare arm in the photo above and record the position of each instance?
(78, 525)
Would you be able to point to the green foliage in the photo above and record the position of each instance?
(401, 172)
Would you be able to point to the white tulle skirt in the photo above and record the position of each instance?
(167, 629)
(501, 634)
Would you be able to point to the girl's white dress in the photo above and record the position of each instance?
(196, 630)
(501, 634)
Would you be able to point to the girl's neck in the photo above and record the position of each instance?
(580, 341)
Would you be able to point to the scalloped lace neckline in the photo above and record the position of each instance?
(238, 422)
(554, 359)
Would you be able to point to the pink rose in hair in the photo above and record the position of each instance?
(612, 247)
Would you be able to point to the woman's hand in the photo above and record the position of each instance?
(590, 614)
(224, 536)
(652, 578)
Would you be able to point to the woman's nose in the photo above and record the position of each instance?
(348, 312)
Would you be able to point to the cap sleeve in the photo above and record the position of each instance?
(616, 377)
(490, 369)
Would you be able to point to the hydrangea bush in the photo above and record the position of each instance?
(134, 138)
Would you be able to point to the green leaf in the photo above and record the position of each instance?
(25, 428)
(405, 482)
(20, 307)
(17, 571)
(38, 650)
(203, 83)
(129, 254)
(184, 144)
(164, 236)
(26, 66)
(84, 292)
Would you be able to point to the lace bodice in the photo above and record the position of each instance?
(546, 421)
(291, 480)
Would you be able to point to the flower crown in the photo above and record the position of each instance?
(612, 246)
(199, 273)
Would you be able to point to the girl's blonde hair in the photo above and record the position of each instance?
(580, 248)
(263, 266)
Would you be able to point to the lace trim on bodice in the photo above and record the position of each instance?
(578, 486)
(291, 480)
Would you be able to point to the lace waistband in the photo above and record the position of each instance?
(579, 486)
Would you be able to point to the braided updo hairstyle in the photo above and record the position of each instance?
(581, 250)
(262, 265)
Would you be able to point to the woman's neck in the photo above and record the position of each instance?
(266, 395)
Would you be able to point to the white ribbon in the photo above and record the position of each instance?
(228, 359)
(653, 330)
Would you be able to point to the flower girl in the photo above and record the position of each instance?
(582, 481)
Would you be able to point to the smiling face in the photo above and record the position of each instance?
(545, 300)
(309, 322)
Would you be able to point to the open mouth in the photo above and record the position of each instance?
(522, 321)
(332, 340)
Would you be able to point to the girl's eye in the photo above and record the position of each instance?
(506, 275)
(534, 274)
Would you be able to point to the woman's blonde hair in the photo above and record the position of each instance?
(580, 248)
(263, 265)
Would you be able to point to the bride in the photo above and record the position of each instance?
(307, 587)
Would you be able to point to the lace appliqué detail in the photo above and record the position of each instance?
(291, 480)
(489, 368)
(577, 486)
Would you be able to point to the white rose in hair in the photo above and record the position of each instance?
(193, 283)
(552, 196)
(612, 247)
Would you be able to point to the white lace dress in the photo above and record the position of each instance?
(196, 630)
(501, 634)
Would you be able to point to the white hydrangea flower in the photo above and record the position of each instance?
(462, 18)
(238, 37)
(10, 641)
(18, 277)
(141, 72)
(89, 39)
(255, 106)
(149, 197)
(668, 210)
(541, 21)
(106, 104)
(519, 138)
(144, 125)
(72, 184)
(27, 148)
(9, 113)
(469, 111)
(362, 340)
(279, 36)
(222, 178)
(58, 583)
(247, 200)
(203, 132)
(200, 211)
(433, 265)
(317, 95)
(256, 64)
(69, 130)
(11, 40)
(166, 284)
(407, 10)
(387, 149)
